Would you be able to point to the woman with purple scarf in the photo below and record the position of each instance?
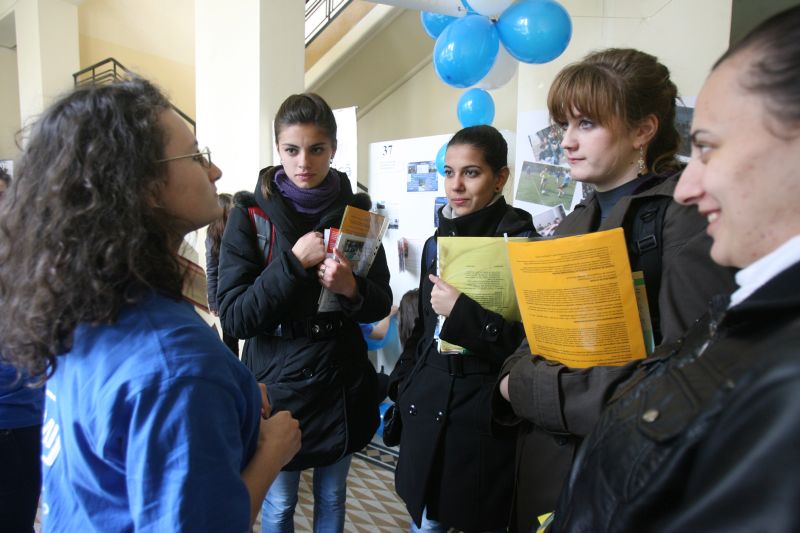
(271, 273)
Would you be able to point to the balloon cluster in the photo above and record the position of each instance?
(480, 50)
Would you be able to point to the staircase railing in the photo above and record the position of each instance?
(320, 13)
(109, 70)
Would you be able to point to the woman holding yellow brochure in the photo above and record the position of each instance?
(616, 109)
(452, 471)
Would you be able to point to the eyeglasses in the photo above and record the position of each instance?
(203, 157)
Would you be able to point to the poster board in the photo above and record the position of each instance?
(405, 187)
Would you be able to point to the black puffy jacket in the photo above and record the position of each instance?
(328, 384)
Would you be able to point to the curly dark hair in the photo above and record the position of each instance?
(81, 234)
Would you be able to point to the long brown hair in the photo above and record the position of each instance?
(617, 88)
(217, 228)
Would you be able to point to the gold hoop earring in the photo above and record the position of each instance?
(642, 166)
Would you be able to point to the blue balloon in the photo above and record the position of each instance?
(440, 159)
(465, 51)
(475, 106)
(434, 23)
(468, 7)
(535, 31)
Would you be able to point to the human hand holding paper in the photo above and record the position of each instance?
(443, 296)
(336, 275)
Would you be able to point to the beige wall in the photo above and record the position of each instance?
(176, 79)
(686, 35)
(424, 106)
(9, 96)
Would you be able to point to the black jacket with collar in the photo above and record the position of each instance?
(705, 436)
(329, 385)
(450, 463)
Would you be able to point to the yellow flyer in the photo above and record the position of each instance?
(577, 300)
(478, 267)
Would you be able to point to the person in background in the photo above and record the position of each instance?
(408, 313)
(705, 436)
(314, 364)
(452, 472)
(213, 241)
(616, 109)
(21, 409)
(5, 181)
(149, 424)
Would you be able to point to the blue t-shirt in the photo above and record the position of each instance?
(148, 423)
(21, 402)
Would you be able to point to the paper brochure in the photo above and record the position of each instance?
(576, 297)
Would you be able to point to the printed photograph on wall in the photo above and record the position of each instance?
(438, 203)
(422, 177)
(544, 184)
(546, 222)
(683, 123)
(546, 146)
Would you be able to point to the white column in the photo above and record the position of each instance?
(249, 56)
(47, 52)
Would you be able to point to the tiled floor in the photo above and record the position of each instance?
(372, 504)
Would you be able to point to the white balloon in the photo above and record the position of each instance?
(489, 8)
(503, 69)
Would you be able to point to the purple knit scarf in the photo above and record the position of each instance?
(308, 202)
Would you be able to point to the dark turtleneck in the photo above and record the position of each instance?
(481, 223)
(608, 199)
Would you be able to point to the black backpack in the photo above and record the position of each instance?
(265, 231)
(644, 227)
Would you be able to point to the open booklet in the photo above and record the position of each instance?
(577, 299)
(358, 237)
(478, 267)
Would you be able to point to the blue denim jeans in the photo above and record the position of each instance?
(330, 493)
(432, 526)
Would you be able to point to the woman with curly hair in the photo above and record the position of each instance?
(150, 423)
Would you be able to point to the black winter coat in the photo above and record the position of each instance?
(328, 384)
(705, 436)
(450, 462)
(555, 406)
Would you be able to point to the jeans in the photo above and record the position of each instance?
(330, 493)
(432, 526)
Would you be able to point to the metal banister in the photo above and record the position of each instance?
(110, 70)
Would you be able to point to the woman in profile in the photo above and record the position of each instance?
(616, 111)
(150, 424)
(705, 436)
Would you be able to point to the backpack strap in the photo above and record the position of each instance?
(429, 252)
(264, 230)
(644, 228)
